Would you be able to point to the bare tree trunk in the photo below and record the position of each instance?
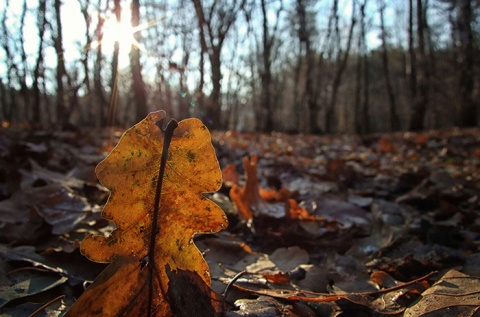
(84, 7)
(140, 94)
(101, 100)
(265, 121)
(466, 108)
(61, 105)
(366, 94)
(214, 27)
(266, 72)
(307, 54)
(420, 102)
(361, 100)
(8, 105)
(113, 104)
(411, 65)
(394, 120)
(23, 75)
(199, 96)
(214, 111)
(38, 70)
(296, 96)
(339, 73)
(184, 110)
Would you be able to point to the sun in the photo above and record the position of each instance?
(123, 33)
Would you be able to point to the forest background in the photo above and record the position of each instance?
(336, 66)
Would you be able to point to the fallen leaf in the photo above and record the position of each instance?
(366, 299)
(30, 286)
(22, 214)
(252, 201)
(154, 229)
(247, 196)
(455, 294)
(72, 265)
(265, 306)
(183, 286)
(229, 175)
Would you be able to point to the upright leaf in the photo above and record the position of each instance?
(152, 239)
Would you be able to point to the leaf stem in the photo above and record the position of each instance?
(168, 134)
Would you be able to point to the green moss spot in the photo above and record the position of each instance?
(191, 156)
(154, 181)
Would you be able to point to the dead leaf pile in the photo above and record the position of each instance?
(376, 225)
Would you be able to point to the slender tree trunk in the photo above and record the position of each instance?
(140, 94)
(214, 109)
(101, 100)
(266, 72)
(307, 55)
(213, 31)
(8, 106)
(466, 108)
(366, 93)
(37, 71)
(420, 103)
(361, 116)
(113, 104)
(394, 120)
(339, 73)
(296, 95)
(199, 96)
(411, 65)
(84, 7)
(61, 105)
(23, 75)
(183, 110)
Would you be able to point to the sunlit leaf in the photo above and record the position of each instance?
(142, 251)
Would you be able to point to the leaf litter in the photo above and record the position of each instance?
(358, 223)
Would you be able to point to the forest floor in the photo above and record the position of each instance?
(384, 224)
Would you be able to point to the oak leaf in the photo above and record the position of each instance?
(156, 215)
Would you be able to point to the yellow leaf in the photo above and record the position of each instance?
(140, 250)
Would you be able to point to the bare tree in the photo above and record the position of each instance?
(466, 108)
(62, 112)
(38, 69)
(342, 60)
(411, 61)
(265, 45)
(100, 98)
(7, 104)
(394, 119)
(84, 8)
(113, 104)
(139, 92)
(214, 22)
(361, 118)
(423, 73)
(305, 32)
(22, 71)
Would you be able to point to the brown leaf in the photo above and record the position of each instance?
(455, 294)
(21, 215)
(244, 197)
(156, 215)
